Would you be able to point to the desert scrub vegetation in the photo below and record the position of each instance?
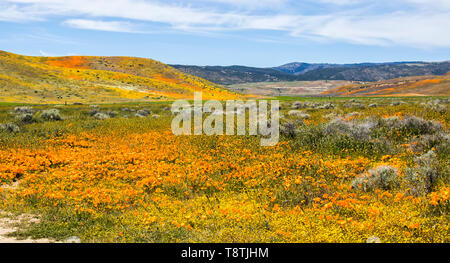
(383, 177)
(427, 175)
(51, 115)
(338, 176)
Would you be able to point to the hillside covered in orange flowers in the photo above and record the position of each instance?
(87, 79)
(409, 86)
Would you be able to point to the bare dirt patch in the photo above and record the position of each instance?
(10, 223)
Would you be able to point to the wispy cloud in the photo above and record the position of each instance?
(341, 2)
(250, 4)
(425, 23)
(402, 29)
(14, 13)
(113, 26)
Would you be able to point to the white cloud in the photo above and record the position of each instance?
(131, 9)
(340, 2)
(13, 13)
(402, 29)
(432, 4)
(113, 26)
(251, 4)
(424, 23)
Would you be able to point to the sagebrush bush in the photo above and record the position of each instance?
(24, 110)
(288, 129)
(140, 115)
(354, 105)
(299, 114)
(101, 116)
(94, 111)
(51, 115)
(340, 136)
(145, 112)
(326, 106)
(416, 125)
(25, 118)
(358, 131)
(9, 127)
(439, 141)
(425, 176)
(298, 105)
(383, 177)
(393, 122)
(438, 105)
(112, 114)
(337, 126)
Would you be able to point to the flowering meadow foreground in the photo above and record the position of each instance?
(345, 170)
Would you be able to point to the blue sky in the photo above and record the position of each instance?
(260, 33)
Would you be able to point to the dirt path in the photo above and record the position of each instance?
(9, 223)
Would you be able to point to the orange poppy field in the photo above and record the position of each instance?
(345, 170)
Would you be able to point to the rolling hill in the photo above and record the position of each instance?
(409, 86)
(88, 79)
(367, 72)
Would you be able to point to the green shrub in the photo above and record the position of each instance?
(383, 177)
(24, 110)
(288, 129)
(9, 127)
(25, 118)
(426, 175)
(101, 116)
(51, 115)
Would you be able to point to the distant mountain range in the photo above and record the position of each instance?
(297, 71)
(236, 74)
